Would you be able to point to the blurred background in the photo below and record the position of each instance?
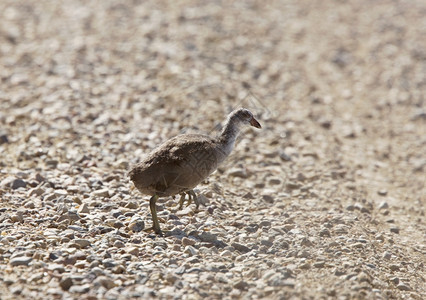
(345, 77)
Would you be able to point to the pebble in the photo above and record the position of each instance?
(188, 242)
(83, 243)
(384, 205)
(238, 172)
(104, 281)
(394, 230)
(240, 247)
(37, 191)
(268, 198)
(119, 244)
(66, 283)
(132, 205)
(403, 287)
(208, 237)
(83, 209)
(133, 250)
(137, 225)
(101, 193)
(191, 251)
(20, 261)
(80, 289)
(18, 183)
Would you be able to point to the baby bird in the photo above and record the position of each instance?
(181, 163)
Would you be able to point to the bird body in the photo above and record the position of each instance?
(181, 163)
(178, 165)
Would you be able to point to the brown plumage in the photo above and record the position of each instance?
(181, 163)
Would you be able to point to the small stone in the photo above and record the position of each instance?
(226, 253)
(306, 242)
(387, 255)
(132, 205)
(384, 205)
(137, 225)
(133, 251)
(118, 224)
(382, 192)
(350, 207)
(394, 230)
(241, 285)
(119, 244)
(3, 138)
(82, 242)
(119, 269)
(17, 217)
(319, 264)
(395, 280)
(394, 267)
(274, 181)
(39, 178)
(238, 172)
(268, 198)
(208, 237)
(66, 283)
(20, 261)
(56, 268)
(37, 191)
(104, 281)
(240, 247)
(188, 242)
(18, 183)
(265, 224)
(403, 287)
(101, 193)
(284, 156)
(191, 251)
(292, 186)
(248, 195)
(83, 209)
(73, 189)
(325, 232)
(80, 289)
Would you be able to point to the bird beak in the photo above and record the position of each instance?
(254, 123)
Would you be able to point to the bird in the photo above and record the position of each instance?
(178, 165)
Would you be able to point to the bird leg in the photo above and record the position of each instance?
(181, 200)
(156, 225)
(194, 197)
(191, 196)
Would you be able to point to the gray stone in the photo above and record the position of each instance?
(188, 242)
(137, 225)
(191, 251)
(101, 193)
(83, 209)
(83, 243)
(403, 287)
(240, 247)
(20, 261)
(80, 289)
(238, 172)
(208, 237)
(66, 283)
(104, 281)
(18, 183)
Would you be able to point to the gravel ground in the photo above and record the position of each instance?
(326, 201)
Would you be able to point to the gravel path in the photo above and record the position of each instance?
(326, 201)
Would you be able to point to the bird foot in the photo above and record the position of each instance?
(156, 230)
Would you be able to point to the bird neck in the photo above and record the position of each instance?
(229, 134)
